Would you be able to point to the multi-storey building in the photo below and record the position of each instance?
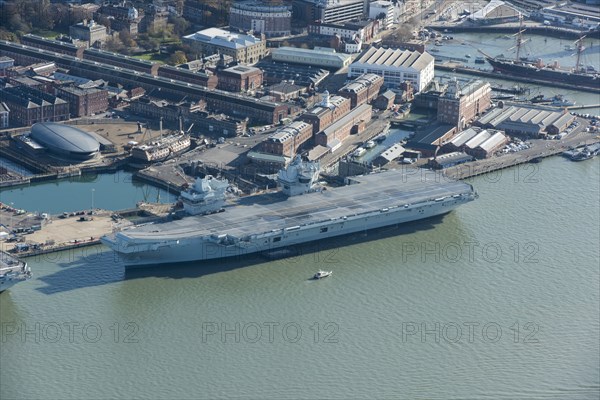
(329, 110)
(329, 11)
(121, 61)
(83, 102)
(28, 106)
(364, 30)
(396, 66)
(386, 8)
(219, 101)
(363, 89)
(5, 63)
(254, 15)
(245, 49)
(353, 122)
(459, 105)
(240, 78)
(94, 34)
(4, 115)
(52, 45)
(122, 16)
(286, 141)
(199, 77)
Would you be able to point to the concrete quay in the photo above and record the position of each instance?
(58, 233)
(540, 149)
(458, 67)
(532, 28)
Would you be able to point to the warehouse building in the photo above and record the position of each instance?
(362, 90)
(527, 121)
(353, 122)
(329, 110)
(286, 141)
(480, 143)
(395, 66)
(317, 57)
(449, 160)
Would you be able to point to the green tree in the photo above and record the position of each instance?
(180, 25)
(177, 58)
(114, 44)
(126, 39)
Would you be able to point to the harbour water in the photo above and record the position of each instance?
(548, 49)
(499, 299)
(117, 191)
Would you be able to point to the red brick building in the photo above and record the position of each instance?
(363, 89)
(353, 122)
(329, 110)
(83, 102)
(459, 105)
(287, 140)
(240, 78)
(202, 78)
(28, 106)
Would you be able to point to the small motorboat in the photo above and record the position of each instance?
(322, 274)
(370, 144)
(359, 152)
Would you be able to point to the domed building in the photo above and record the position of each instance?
(65, 141)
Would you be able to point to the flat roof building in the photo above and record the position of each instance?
(240, 78)
(329, 11)
(318, 57)
(395, 66)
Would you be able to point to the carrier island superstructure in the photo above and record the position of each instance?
(301, 212)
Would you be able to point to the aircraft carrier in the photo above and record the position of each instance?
(274, 220)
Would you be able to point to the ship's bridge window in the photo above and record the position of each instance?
(277, 239)
(323, 230)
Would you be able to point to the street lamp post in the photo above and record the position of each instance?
(93, 190)
(10, 228)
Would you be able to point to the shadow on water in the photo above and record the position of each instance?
(326, 248)
(101, 267)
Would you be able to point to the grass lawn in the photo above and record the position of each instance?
(47, 33)
(159, 58)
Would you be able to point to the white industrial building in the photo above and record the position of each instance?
(395, 66)
(317, 57)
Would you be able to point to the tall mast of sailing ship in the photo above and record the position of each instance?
(520, 40)
(579, 51)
